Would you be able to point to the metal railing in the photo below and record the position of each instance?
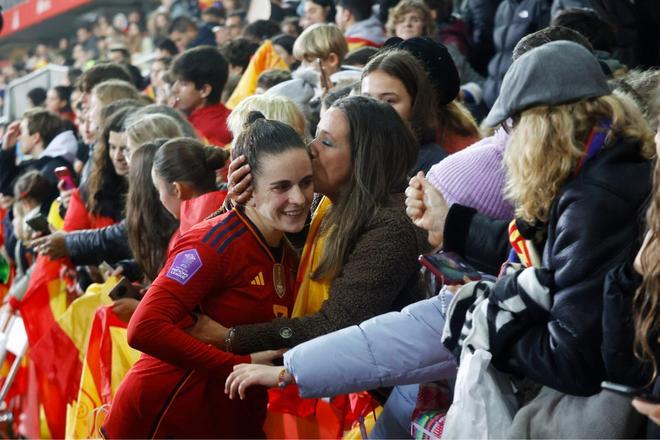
(6, 4)
(16, 101)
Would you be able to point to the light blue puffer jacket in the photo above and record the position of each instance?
(396, 348)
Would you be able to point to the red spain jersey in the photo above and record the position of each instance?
(176, 389)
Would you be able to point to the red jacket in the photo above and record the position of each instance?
(211, 123)
(78, 217)
(176, 389)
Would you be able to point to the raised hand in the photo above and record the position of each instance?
(11, 135)
(427, 208)
(124, 308)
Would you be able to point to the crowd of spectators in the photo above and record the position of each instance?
(233, 193)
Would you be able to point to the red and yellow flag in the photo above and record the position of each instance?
(264, 58)
(108, 358)
(45, 300)
(59, 353)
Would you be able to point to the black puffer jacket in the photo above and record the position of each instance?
(621, 365)
(93, 246)
(594, 225)
(514, 19)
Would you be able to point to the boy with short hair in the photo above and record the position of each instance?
(321, 42)
(360, 26)
(43, 142)
(200, 75)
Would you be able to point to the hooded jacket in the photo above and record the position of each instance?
(367, 32)
(61, 151)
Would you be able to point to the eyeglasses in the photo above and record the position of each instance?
(510, 124)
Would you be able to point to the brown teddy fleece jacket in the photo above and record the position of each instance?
(380, 276)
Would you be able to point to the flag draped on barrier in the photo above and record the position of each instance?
(107, 360)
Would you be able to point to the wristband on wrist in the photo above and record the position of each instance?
(284, 378)
(228, 339)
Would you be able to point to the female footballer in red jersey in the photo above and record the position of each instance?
(238, 269)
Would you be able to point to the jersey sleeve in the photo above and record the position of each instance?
(191, 272)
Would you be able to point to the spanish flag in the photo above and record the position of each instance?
(107, 360)
(45, 300)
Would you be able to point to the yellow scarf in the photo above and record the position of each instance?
(312, 293)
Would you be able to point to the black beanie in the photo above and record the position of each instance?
(436, 61)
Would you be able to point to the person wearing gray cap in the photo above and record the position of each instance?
(578, 173)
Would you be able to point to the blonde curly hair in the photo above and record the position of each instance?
(548, 142)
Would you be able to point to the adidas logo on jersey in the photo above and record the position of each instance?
(258, 280)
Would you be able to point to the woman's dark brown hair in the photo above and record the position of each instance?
(262, 137)
(150, 226)
(646, 304)
(381, 156)
(406, 68)
(428, 116)
(188, 160)
(105, 190)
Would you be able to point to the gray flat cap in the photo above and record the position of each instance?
(555, 73)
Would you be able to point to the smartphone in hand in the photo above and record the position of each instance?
(64, 175)
(39, 223)
(630, 392)
(449, 267)
(124, 289)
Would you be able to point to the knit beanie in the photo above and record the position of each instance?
(475, 177)
(437, 62)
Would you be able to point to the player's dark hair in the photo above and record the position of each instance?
(262, 137)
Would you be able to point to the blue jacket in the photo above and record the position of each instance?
(514, 19)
